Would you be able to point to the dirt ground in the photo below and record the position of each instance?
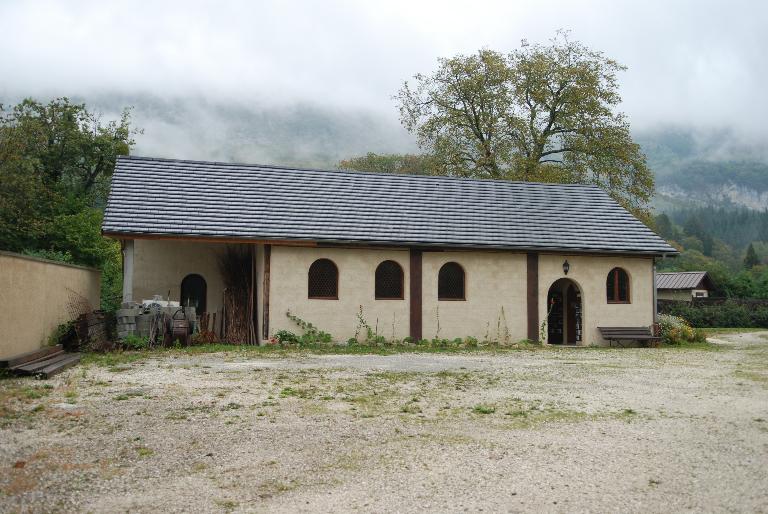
(559, 430)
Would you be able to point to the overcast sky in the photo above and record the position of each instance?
(698, 62)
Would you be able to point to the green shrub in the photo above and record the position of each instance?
(675, 331)
(134, 342)
(286, 337)
(728, 314)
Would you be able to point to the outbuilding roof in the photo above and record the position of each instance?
(683, 280)
(215, 200)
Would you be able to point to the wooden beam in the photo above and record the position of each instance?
(532, 295)
(265, 291)
(128, 250)
(415, 294)
(202, 239)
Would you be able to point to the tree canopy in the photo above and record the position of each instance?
(56, 160)
(392, 163)
(540, 113)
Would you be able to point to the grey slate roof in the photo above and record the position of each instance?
(221, 200)
(681, 280)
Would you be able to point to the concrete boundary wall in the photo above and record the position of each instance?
(37, 295)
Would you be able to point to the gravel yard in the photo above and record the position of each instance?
(606, 430)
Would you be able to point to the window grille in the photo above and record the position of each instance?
(323, 280)
(450, 282)
(389, 281)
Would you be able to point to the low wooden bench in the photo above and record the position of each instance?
(620, 334)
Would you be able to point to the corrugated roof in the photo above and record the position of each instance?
(222, 200)
(680, 280)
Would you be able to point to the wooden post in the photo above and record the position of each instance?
(533, 295)
(265, 291)
(415, 294)
(127, 270)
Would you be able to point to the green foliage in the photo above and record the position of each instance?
(134, 342)
(392, 163)
(542, 113)
(311, 334)
(725, 263)
(676, 331)
(729, 314)
(60, 332)
(286, 337)
(483, 409)
(372, 336)
(51, 255)
(751, 259)
(56, 161)
(737, 227)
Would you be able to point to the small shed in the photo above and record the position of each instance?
(683, 285)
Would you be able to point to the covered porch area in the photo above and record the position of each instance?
(199, 274)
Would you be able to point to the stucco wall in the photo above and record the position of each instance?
(288, 291)
(493, 280)
(590, 273)
(38, 295)
(161, 265)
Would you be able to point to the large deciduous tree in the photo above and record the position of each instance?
(56, 160)
(541, 113)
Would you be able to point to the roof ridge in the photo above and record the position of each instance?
(359, 172)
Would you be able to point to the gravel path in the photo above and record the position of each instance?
(558, 430)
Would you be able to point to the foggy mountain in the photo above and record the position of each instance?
(692, 166)
(301, 134)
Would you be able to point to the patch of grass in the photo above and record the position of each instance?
(755, 376)
(227, 504)
(297, 392)
(410, 408)
(143, 451)
(483, 409)
(128, 395)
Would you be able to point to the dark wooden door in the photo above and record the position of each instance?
(555, 318)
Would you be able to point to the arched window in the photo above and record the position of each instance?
(450, 282)
(193, 293)
(617, 286)
(323, 280)
(389, 281)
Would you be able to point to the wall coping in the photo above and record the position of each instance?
(46, 261)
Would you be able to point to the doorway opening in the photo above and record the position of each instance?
(194, 292)
(564, 313)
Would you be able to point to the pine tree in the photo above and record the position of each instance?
(751, 260)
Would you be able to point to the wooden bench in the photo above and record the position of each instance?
(619, 334)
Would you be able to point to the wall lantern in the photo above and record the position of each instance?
(566, 267)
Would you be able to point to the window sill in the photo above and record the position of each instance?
(322, 297)
(378, 298)
(451, 299)
(614, 302)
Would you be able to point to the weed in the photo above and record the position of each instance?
(483, 409)
(143, 451)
